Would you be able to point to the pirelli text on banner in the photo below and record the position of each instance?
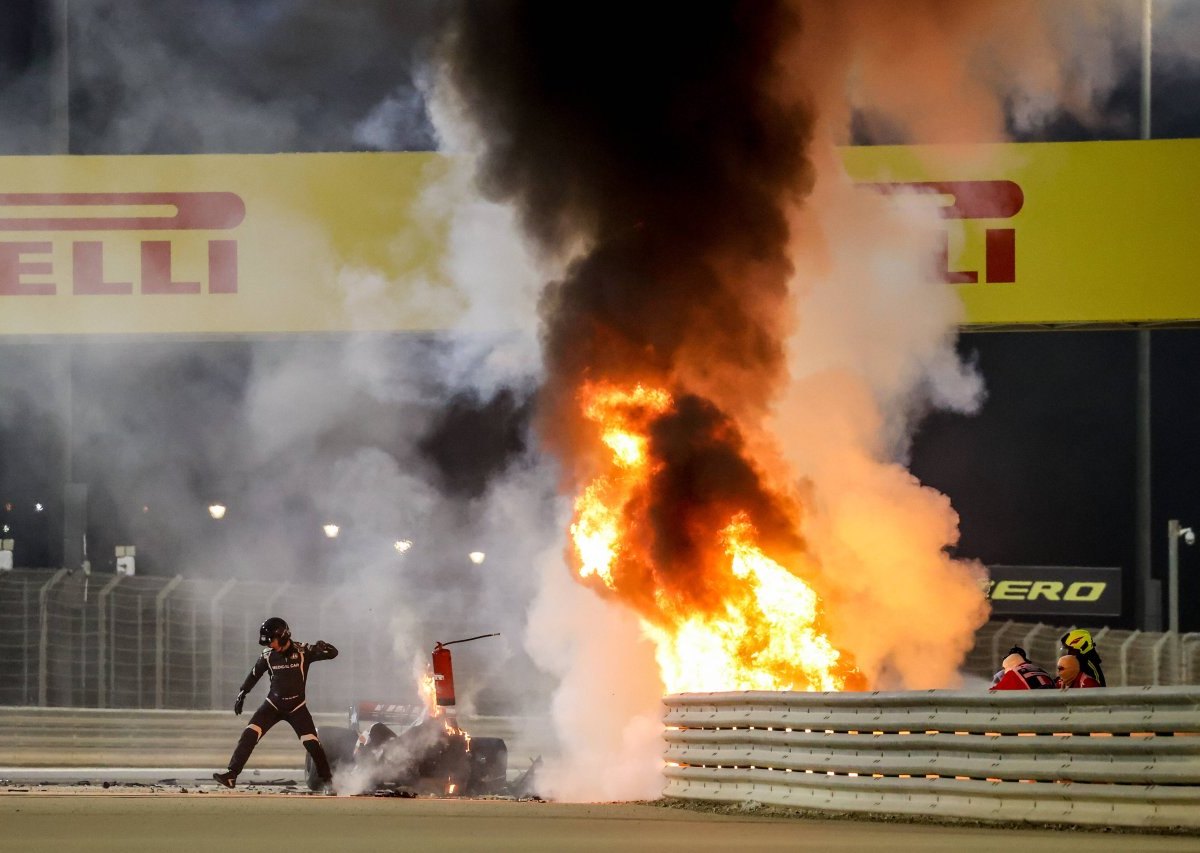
(1046, 233)
(1054, 591)
(28, 267)
(220, 244)
(1071, 233)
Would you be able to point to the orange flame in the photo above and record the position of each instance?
(759, 627)
(428, 693)
(622, 415)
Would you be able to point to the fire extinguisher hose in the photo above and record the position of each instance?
(468, 639)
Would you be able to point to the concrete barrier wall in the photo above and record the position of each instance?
(1120, 757)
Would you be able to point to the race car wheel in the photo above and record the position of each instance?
(489, 765)
(339, 745)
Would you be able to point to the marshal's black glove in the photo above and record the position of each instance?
(238, 702)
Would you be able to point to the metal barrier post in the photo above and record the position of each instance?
(327, 604)
(1125, 657)
(1027, 640)
(194, 645)
(1186, 675)
(1000, 632)
(103, 640)
(160, 641)
(81, 681)
(44, 638)
(141, 696)
(323, 613)
(1164, 640)
(214, 639)
(269, 608)
(27, 634)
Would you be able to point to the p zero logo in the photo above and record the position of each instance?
(106, 262)
(1010, 590)
(1054, 590)
(994, 200)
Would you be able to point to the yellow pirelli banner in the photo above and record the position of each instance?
(1060, 233)
(1044, 233)
(228, 244)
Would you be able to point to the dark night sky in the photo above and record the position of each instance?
(1044, 474)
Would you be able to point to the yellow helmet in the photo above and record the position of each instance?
(1079, 640)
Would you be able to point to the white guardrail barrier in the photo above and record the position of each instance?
(1117, 757)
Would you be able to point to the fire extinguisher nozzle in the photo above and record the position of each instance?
(466, 640)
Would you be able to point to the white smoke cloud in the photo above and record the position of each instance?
(279, 75)
(607, 709)
(327, 426)
(495, 285)
(394, 121)
(873, 348)
(878, 534)
(871, 303)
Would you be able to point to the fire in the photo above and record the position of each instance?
(766, 638)
(623, 416)
(428, 692)
(736, 619)
(622, 433)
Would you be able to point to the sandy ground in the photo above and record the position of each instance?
(126, 819)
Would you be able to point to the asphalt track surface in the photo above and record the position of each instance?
(58, 819)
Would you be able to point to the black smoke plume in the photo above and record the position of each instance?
(656, 137)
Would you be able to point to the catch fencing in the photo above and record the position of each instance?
(144, 642)
(111, 641)
(1130, 658)
(1118, 757)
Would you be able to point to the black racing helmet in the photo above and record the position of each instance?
(274, 629)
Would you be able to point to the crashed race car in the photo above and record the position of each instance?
(418, 749)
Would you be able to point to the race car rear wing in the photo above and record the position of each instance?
(364, 714)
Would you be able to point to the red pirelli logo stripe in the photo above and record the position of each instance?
(192, 211)
(1000, 199)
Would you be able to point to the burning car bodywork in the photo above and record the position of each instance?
(418, 749)
(404, 747)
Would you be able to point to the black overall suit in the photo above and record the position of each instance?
(285, 700)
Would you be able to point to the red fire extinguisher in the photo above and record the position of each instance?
(443, 676)
(443, 670)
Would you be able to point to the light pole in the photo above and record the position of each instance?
(1174, 534)
(1148, 591)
